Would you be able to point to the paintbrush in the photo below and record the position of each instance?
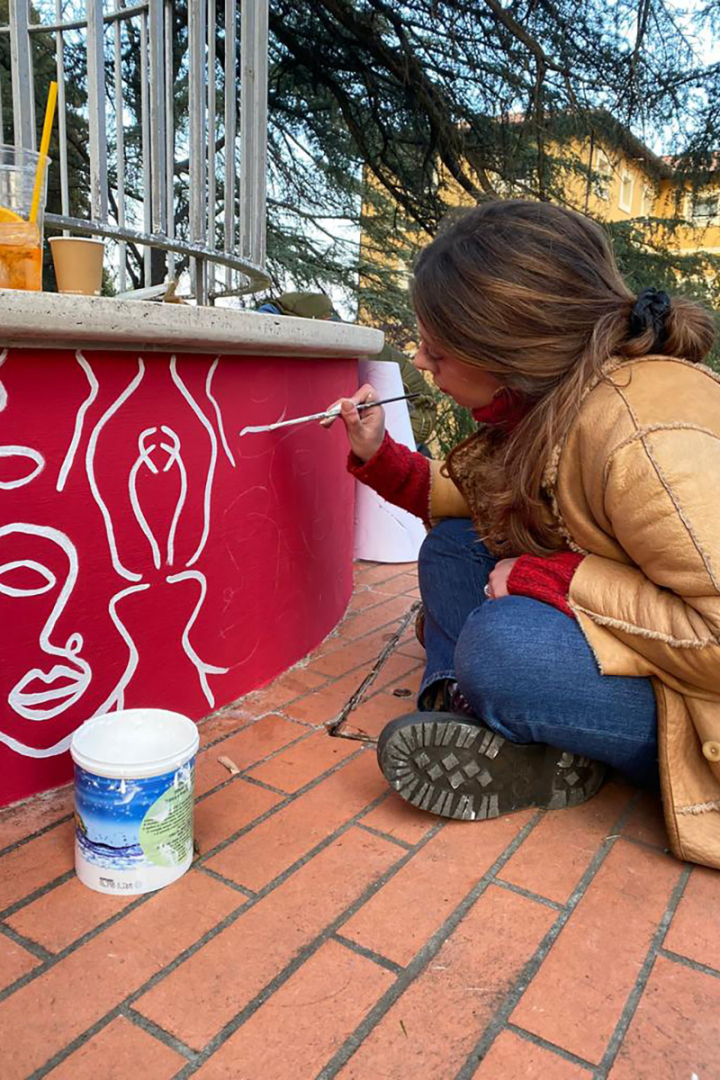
(327, 415)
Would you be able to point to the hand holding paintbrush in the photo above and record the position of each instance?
(364, 420)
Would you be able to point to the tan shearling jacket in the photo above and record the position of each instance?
(636, 488)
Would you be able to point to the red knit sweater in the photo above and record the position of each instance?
(403, 478)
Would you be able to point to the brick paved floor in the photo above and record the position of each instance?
(326, 929)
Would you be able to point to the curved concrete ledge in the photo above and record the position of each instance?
(50, 320)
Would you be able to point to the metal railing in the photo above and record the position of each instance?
(196, 158)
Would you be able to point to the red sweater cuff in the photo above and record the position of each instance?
(399, 475)
(545, 579)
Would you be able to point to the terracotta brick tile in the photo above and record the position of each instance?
(224, 812)
(25, 818)
(513, 1058)
(316, 1010)
(199, 997)
(390, 610)
(370, 717)
(398, 670)
(399, 919)
(413, 648)
(224, 723)
(64, 914)
(36, 863)
(249, 745)
(365, 597)
(695, 929)
(397, 818)
(403, 584)
(675, 1031)
(374, 574)
(325, 704)
(14, 962)
(283, 690)
(120, 1050)
(70, 997)
(268, 849)
(304, 761)
(433, 1027)
(342, 657)
(647, 822)
(558, 851)
(577, 996)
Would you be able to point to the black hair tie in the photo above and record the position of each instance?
(649, 313)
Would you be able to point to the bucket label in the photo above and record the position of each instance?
(132, 824)
(167, 829)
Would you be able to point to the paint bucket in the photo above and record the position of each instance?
(134, 783)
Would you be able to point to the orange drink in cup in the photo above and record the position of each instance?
(20, 252)
(21, 237)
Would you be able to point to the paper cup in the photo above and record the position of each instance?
(78, 264)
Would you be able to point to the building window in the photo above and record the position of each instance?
(648, 201)
(627, 185)
(603, 179)
(705, 209)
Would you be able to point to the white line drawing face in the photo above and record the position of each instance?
(49, 690)
(63, 683)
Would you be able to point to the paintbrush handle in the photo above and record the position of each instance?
(324, 415)
(387, 400)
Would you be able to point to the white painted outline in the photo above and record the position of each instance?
(218, 414)
(28, 564)
(144, 458)
(79, 420)
(175, 458)
(117, 697)
(78, 670)
(130, 389)
(3, 391)
(213, 456)
(203, 669)
(22, 451)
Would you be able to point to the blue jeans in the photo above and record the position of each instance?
(525, 667)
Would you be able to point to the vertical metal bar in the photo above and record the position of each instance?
(62, 116)
(196, 34)
(157, 117)
(96, 110)
(23, 92)
(170, 131)
(2, 126)
(145, 144)
(119, 143)
(230, 130)
(253, 121)
(211, 126)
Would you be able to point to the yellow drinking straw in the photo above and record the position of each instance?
(44, 147)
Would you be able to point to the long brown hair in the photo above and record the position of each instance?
(530, 292)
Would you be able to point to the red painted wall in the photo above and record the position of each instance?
(149, 556)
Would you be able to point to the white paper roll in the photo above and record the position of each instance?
(383, 532)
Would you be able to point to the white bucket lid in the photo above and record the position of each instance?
(135, 743)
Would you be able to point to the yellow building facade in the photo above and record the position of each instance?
(629, 183)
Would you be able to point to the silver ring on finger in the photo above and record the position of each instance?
(486, 590)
